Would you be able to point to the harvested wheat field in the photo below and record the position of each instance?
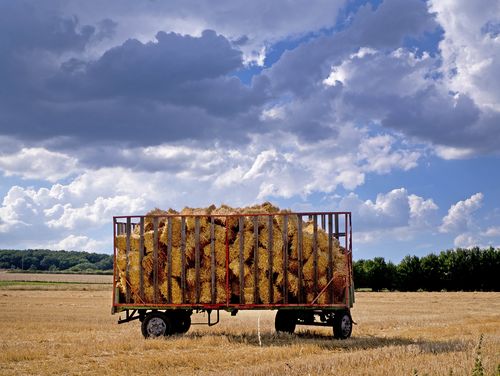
(71, 332)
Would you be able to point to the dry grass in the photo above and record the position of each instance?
(72, 332)
(46, 277)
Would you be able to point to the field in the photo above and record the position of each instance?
(66, 328)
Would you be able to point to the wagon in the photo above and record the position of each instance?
(169, 266)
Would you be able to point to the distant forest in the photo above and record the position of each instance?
(453, 270)
(36, 260)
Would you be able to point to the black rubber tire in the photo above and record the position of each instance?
(156, 324)
(184, 323)
(181, 321)
(342, 325)
(285, 321)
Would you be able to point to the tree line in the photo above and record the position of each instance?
(452, 270)
(55, 261)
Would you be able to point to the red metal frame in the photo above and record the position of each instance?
(117, 307)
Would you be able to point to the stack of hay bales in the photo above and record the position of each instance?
(226, 231)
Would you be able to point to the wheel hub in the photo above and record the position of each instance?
(156, 327)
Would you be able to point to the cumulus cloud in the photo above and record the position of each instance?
(471, 48)
(395, 210)
(251, 26)
(38, 163)
(460, 215)
(78, 243)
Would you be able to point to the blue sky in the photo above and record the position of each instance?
(389, 109)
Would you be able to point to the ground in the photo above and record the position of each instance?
(67, 328)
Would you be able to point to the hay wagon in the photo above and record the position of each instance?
(169, 265)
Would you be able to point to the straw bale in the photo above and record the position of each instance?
(308, 268)
(121, 260)
(148, 219)
(121, 242)
(293, 266)
(249, 295)
(149, 241)
(264, 292)
(277, 237)
(176, 291)
(234, 267)
(176, 262)
(323, 298)
(292, 285)
(176, 233)
(149, 293)
(339, 285)
(220, 270)
(134, 269)
(265, 208)
(222, 211)
(121, 245)
(202, 214)
(220, 255)
(206, 292)
(147, 263)
(205, 276)
(307, 246)
(248, 244)
(292, 222)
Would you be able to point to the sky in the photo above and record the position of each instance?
(388, 109)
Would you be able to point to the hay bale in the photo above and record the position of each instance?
(220, 256)
(206, 293)
(248, 244)
(176, 262)
(220, 270)
(292, 285)
(323, 299)
(292, 222)
(293, 266)
(277, 238)
(148, 241)
(176, 291)
(339, 257)
(234, 267)
(176, 233)
(148, 219)
(222, 211)
(307, 246)
(308, 268)
(205, 276)
(264, 292)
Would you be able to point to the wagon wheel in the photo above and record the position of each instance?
(342, 325)
(181, 321)
(156, 324)
(285, 321)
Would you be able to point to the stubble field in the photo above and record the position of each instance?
(66, 328)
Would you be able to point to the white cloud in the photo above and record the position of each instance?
(395, 215)
(460, 215)
(97, 213)
(39, 164)
(467, 240)
(80, 243)
(423, 212)
(449, 153)
(380, 156)
(471, 52)
(492, 231)
(253, 25)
